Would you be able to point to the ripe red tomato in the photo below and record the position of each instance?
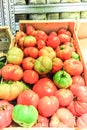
(47, 105)
(64, 38)
(71, 45)
(53, 33)
(64, 31)
(29, 41)
(5, 114)
(73, 67)
(28, 97)
(81, 121)
(29, 30)
(31, 51)
(79, 105)
(64, 52)
(78, 79)
(44, 87)
(53, 41)
(41, 35)
(47, 51)
(41, 44)
(19, 34)
(56, 65)
(42, 121)
(28, 63)
(12, 72)
(21, 42)
(30, 76)
(65, 96)
(62, 118)
(79, 91)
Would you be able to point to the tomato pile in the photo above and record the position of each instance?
(42, 82)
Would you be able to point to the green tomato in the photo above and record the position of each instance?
(62, 79)
(75, 56)
(43, 64)
(15, 55)
(25, 116)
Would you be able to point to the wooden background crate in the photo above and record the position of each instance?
(6, 39)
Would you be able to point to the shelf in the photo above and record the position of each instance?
(50, 8)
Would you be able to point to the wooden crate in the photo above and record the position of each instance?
(54, 25)
(6, 39)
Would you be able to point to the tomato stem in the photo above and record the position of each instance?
(3, 107)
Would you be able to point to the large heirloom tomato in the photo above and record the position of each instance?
(15, 55)
(28, 97)
(5, 113)
(53, 41)
(64, 38)
(65, 96)
(62, 118)
(12, 72)
(41, 44)
(42, 121)
(78, 79)
(19, 34)
(29, 41)
(41, 35)
(79, 105)
(64, 52)
(44, 87)
(47, 105)
(64, 31)
(73, 66)
(30, 76)
(31, 52)
(47, 51)
(29, 30)
(11, 89)
(28, 63)
(81, 121)
(24, 116)
(43, 64)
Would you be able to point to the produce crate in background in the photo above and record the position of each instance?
(6, 39)
(54, 25)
